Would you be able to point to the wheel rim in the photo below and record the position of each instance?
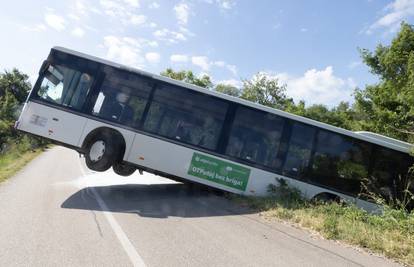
(97, 151)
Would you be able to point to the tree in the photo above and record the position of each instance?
(228, 89)
(189, 77)
(265, 90)
(388, 106)
(14, 87)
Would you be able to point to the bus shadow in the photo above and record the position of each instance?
(155, 201)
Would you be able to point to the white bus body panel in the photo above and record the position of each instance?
(175, 159)
(51, 123)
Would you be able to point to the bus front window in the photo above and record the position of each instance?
(64, 86)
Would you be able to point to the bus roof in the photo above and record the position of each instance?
(365, 136)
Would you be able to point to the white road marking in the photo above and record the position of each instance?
(130, 250)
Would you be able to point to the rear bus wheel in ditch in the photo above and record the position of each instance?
(100, 153)
(123, 169)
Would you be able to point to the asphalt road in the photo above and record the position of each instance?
(55, 212)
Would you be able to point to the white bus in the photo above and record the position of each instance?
(128, 119)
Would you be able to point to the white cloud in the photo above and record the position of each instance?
(74, 17)
(226, 4)
(232, 69)
(201, 61)
(398, 11)
(222, 64)
(78, 32)
(354, 64)
(169, 36)
(177, 58)
(318, 87)
(219, 63)
(114, 8)
(126, 50)
(40, 27)
(55, 21)
(137, 19)
(80, 7)
(303, 29)
(133, 3)
(222, 4)
(153, 57)
(154, 5)
(181, 13)
(232, 82)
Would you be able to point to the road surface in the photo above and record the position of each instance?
(55, 212)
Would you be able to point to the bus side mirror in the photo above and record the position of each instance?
(44, 67)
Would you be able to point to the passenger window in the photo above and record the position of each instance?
(255, 137)
(186, 116)
(299, 150)
(340, 162)
(64, 86)
(122, 98)
(389, 173)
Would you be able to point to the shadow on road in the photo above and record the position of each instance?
(156, 201)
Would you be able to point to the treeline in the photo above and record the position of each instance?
(14, 88)
(386, 107)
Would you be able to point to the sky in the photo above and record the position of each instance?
(310, 46)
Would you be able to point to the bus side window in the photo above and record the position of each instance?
(299, 150)
(122, 98)
(389, 174)
(255, 136)
(340, 162)
(186, 116)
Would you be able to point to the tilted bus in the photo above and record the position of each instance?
(128, 119)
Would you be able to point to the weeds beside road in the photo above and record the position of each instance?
(16, 156)
(390, 233)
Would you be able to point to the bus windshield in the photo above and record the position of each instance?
(64, 86)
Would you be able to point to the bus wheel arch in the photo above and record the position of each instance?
(103, 147)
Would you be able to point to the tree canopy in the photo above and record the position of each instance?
(388, 106)
(189, 77)
(14, 87)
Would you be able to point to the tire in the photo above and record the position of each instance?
(101, 152)
(123, 169)
(326, 198)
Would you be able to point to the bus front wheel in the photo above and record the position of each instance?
(123, 169)
(100, 153)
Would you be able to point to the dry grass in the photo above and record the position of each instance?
(15, 159)
(390, 233)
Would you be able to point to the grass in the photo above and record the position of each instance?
(15, 158)
(390, 233)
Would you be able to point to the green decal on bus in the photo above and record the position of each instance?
(219, 171)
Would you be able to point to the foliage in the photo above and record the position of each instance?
(228, 89)
(15, 156)
(14, 88)
(390, 233)
(266, 91)
(388, 106)
(189, 77)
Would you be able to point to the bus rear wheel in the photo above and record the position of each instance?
(100, 153)
(123, 169)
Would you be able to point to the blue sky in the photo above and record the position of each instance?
(311, 46)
